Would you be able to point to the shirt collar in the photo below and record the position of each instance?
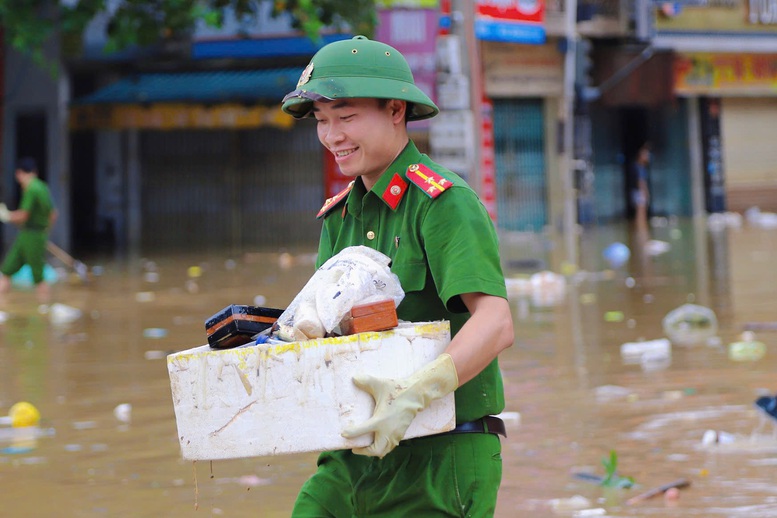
(409, 155)
(382, 188)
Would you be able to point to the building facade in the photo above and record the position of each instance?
(185, 147)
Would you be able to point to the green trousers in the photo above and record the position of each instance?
(28, 248)
(436, 476)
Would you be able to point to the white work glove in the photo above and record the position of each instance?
(5, 214)
(398, 401)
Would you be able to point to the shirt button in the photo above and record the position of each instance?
(370, 235)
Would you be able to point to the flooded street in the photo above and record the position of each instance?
(107, 442)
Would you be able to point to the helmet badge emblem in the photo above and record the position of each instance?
(305, 77)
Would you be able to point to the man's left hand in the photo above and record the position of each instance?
(398, 401)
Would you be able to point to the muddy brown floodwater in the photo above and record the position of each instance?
(107, 445)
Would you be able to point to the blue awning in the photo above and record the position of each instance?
(268, 85)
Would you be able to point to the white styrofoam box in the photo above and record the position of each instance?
(274, 399)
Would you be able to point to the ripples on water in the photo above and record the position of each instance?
(572, 398)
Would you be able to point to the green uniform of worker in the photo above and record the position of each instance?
(443, 245)
(30, 244)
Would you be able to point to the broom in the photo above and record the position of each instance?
(80, 268)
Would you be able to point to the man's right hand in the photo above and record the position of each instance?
(5, 214)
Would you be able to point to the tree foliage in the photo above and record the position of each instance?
(28, 24)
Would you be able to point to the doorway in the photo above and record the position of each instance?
(31, 142)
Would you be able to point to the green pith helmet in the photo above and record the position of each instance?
(358, 67)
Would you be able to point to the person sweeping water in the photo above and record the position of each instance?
(34, 217)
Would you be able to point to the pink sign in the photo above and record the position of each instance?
(412, 32)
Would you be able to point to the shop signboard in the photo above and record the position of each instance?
(717, 16)
(511, 70)
(511, 21)
(725, 74)
(175, 116)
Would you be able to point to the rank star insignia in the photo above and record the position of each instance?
(305, 77)
(430, 182)
(330, 203)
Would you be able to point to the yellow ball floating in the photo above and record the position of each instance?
(24, 414)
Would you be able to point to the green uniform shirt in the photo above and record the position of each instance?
(36, 200)
(440, 248)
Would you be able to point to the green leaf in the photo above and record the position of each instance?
(611, 477)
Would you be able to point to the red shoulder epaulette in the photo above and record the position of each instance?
(430, 182)
(330, 203)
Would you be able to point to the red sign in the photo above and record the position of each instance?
(487, 167)
(512, 10)
(334, 180)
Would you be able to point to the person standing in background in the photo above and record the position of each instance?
(35, 216)
(640, 195)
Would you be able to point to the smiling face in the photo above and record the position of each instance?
(364, 135)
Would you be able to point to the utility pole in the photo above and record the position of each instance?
(567, 123)
(476, 87)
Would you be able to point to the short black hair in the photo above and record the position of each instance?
(27, 164)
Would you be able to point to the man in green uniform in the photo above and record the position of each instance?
(444, 250)
(35, 215)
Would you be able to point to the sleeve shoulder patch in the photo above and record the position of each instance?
(332, 202)
(427, 180)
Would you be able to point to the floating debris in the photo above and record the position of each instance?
(756, 218)
(84, 425)
(690, 324)
(60, 313)
(123, 412)
(567, 505)
(23, 414)
(151, 277)
(717, 437)
(616, 254)
(633, 352)
(721, 220)
(746, 349)
(154, 332)
(145, 296)
(671, 491)
(656, 247)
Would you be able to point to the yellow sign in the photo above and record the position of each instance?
(419, 4)
(726, 74)
(177, 116)
(742, 16)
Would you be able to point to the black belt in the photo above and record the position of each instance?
(488, 424)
